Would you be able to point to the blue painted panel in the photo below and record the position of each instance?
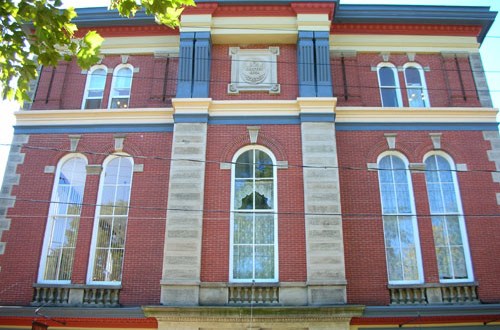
(191, 118)
(323, 71)
(185, 71)
(202, 59)
(254, 120)
(305, 63)
(129, 128)
(317, 117)
(416, 126)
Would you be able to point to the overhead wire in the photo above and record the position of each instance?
(302, 166)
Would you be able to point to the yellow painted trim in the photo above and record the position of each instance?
(402, 43)
(92, 117)
(409, 115)
(140, 45)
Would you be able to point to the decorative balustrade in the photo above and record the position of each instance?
(457, 293)
(76, 295)
(253, 294)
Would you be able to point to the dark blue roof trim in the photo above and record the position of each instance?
(102, 16)
(406, 14)
(53, 129)
(416, 126)
(254, 120)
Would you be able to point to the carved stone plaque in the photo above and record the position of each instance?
(254, 70)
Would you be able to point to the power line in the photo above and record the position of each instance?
(353, 168)
(226, 212)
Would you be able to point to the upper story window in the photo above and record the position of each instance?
(404, 264)
(110, 226)
(254, 249)
(61, 232)
(94, 88)
(121, 86)
(390, 92)
(415, 85)
(448, 227)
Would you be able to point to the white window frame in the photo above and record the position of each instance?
(87, 85)
(275, 211)
(459, 214)
(50, 220)
(418, 251)
(397, 87)
(95, 230)
(423, 84)
(114, 81)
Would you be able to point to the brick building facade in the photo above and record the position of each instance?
(285, 165)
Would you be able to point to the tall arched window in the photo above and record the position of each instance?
(94, 88)
(448, 227)
(415, 85)
(121, 86)
(402, 246)
(390, 92)
(63, 221)
(110, 226)
(254, 247)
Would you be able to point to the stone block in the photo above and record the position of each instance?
(214, 295)
(293, 295)
(76, 296)
(490, 135)
(179, 295)
(434, 295)
(326, 295)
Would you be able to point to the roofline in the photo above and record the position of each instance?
(417, 14)
(344, 13)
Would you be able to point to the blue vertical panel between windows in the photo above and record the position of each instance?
(323, 72)
(201, 79)
(185, 73)
(305, 58)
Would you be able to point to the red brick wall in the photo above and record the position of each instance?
(221, 74)
(442, 80)
(223, 142)
(146, 226)
(363, 235)
(152, 86)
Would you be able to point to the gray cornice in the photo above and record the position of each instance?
(432, 310)
(407, 14)
(102, 16)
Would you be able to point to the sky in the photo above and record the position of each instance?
(490, 51)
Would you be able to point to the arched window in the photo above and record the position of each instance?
(94, 88)
(390, 92)
(63, 221)
(254, 248)
(448, 227)
(415, 85)
(402, 246)
(110, 226)
(120, 87)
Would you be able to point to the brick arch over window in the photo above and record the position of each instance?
(243, 140)
(381, 147)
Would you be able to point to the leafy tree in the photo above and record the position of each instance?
(40, 32)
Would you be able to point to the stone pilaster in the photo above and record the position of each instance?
(494, 155)
(185, 71)
(182, 251)
(483, 91)
(324, 240)
(10, 179)
(305, 62)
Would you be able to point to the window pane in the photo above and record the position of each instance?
(391, 232)
(243, 229)
(264, 229)
(412, 77)
(444, 265)
(242, 262)
(416, 97)
(119, 103)
(438, 230)
(264, 262)
(387, 76)
(459, 267)
(97, 79)
(243, 195)
(264, 195)
(93, 104)
(394, 266)
(263, 165)
(244, 165)
(389, 97)
(410, 267)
